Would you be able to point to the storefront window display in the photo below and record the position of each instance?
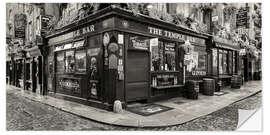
(60, 62)
(195, 63)
(223, 62)
(169, 57)
(215, 61)
(69, 61)
(230, 62)
(80, 57)
(163, 57)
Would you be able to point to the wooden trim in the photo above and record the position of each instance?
(169, 86)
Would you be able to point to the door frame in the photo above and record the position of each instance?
(126, 44)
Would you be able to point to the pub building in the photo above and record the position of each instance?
(113, 55)
(226, 61)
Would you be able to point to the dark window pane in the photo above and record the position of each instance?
(80, 61)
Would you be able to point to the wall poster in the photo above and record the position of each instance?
(215, 61)
(195, 63)
(93, 77)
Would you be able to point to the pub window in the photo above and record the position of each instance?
(80, 57)
(169, 56)
(230, 62)
(163, 56)
(69, 61)
(223, 62)
(215, 61)
(60, 63)
(201, 61)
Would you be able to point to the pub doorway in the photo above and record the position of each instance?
(137, 75)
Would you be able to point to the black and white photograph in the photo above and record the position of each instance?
(131, 66)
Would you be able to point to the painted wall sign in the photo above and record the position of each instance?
(120, 39)
(84, 30)
(174, 35)
(70, 84)
(113, 47)
(106, 39)
(196, 64)
(138, 43)
(93, 68)
(68, 46)
(198, 73)
(120, 50)
(113, 61)
(93, 51)
(225, 42)
(78, 44)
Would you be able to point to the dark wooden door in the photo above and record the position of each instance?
(34, 78)
(137, 75)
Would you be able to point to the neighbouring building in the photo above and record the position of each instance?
(26, 25)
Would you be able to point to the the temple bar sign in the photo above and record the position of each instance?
(175, 35)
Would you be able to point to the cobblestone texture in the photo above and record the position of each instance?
(24, 114)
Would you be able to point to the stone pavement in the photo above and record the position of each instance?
(184, 112)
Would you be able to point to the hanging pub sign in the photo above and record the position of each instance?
(20, 25)
(242, 17)
(42, 24)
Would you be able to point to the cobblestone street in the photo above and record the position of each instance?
(24, 114)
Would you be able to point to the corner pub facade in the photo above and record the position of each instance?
(114, 55)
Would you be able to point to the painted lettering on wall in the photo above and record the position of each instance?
(70, 84)
(84, 30)
(174, 35)
(198, 73)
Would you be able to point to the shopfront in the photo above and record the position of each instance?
(33, 70)
(118, 56)
(225, 60)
